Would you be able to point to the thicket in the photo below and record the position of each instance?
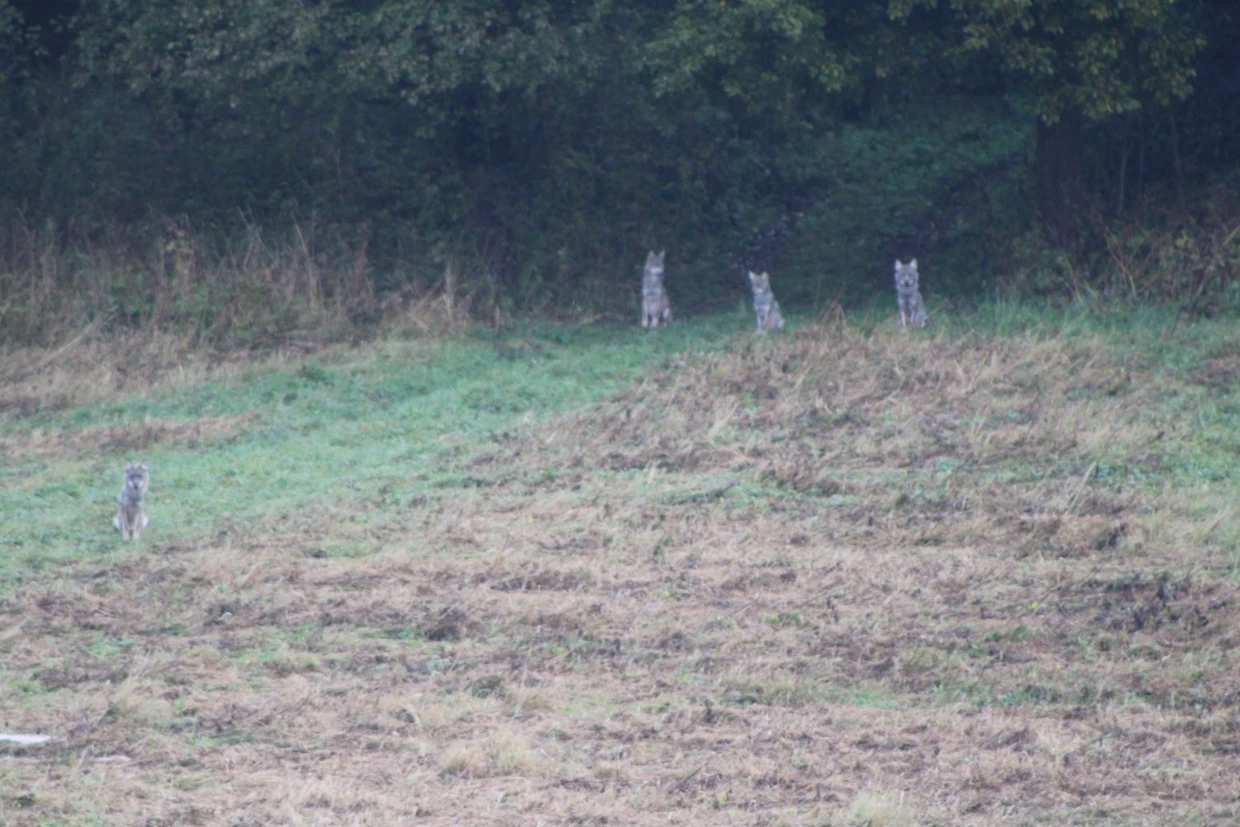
(244, 170)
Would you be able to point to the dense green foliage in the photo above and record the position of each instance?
(540, 148)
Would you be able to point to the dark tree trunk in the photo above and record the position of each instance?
(1061, 187)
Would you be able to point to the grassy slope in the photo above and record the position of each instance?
(980, 575)
(265, 442)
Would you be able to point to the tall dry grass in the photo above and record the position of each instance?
(253, 290)
(83, 319)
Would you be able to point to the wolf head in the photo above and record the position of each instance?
(136, 477)
(761, 282)
(654, 266)
(906, 276)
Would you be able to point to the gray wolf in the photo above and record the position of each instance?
(908, 296)
(656, 309)
(130, 516)
(765, 307)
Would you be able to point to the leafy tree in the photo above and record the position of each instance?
(1075, 60)
(21, 39)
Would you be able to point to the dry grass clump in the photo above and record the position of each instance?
(275, 306)
(993, 441)
(171, 278)
(875, 808)
(828, 578)
(90, 367)
(842, 402)
(119, 439)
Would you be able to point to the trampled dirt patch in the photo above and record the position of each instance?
(1221, 370)
(824, 579)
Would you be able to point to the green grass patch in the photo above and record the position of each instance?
(374, 430)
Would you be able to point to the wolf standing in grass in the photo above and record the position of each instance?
(656, 309)
(765, 307)
(908, 297)
(130, 516)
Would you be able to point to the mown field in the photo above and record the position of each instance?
(984, 573)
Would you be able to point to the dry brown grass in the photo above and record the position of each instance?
(165, 308)
(826, 579)
(169, 277)
(121, 439)
(91, 367)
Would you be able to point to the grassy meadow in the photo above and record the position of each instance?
(984, 573)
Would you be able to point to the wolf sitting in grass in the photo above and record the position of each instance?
(656, 309)
(908, 297)
(765, 307)
(130, 516)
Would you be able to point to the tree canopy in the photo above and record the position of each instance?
(552, 141)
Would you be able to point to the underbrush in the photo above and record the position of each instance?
(984, 573)
(1157, 253)
(296, 285)
(302, 286)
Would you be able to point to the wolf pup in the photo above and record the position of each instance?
(656, 309)
(908, 297)
(765, 307)
(130, 516)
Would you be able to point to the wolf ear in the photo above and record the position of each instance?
(128, 465)
(765, 275)
(913, 263)
(752, 275)
(661, 254)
